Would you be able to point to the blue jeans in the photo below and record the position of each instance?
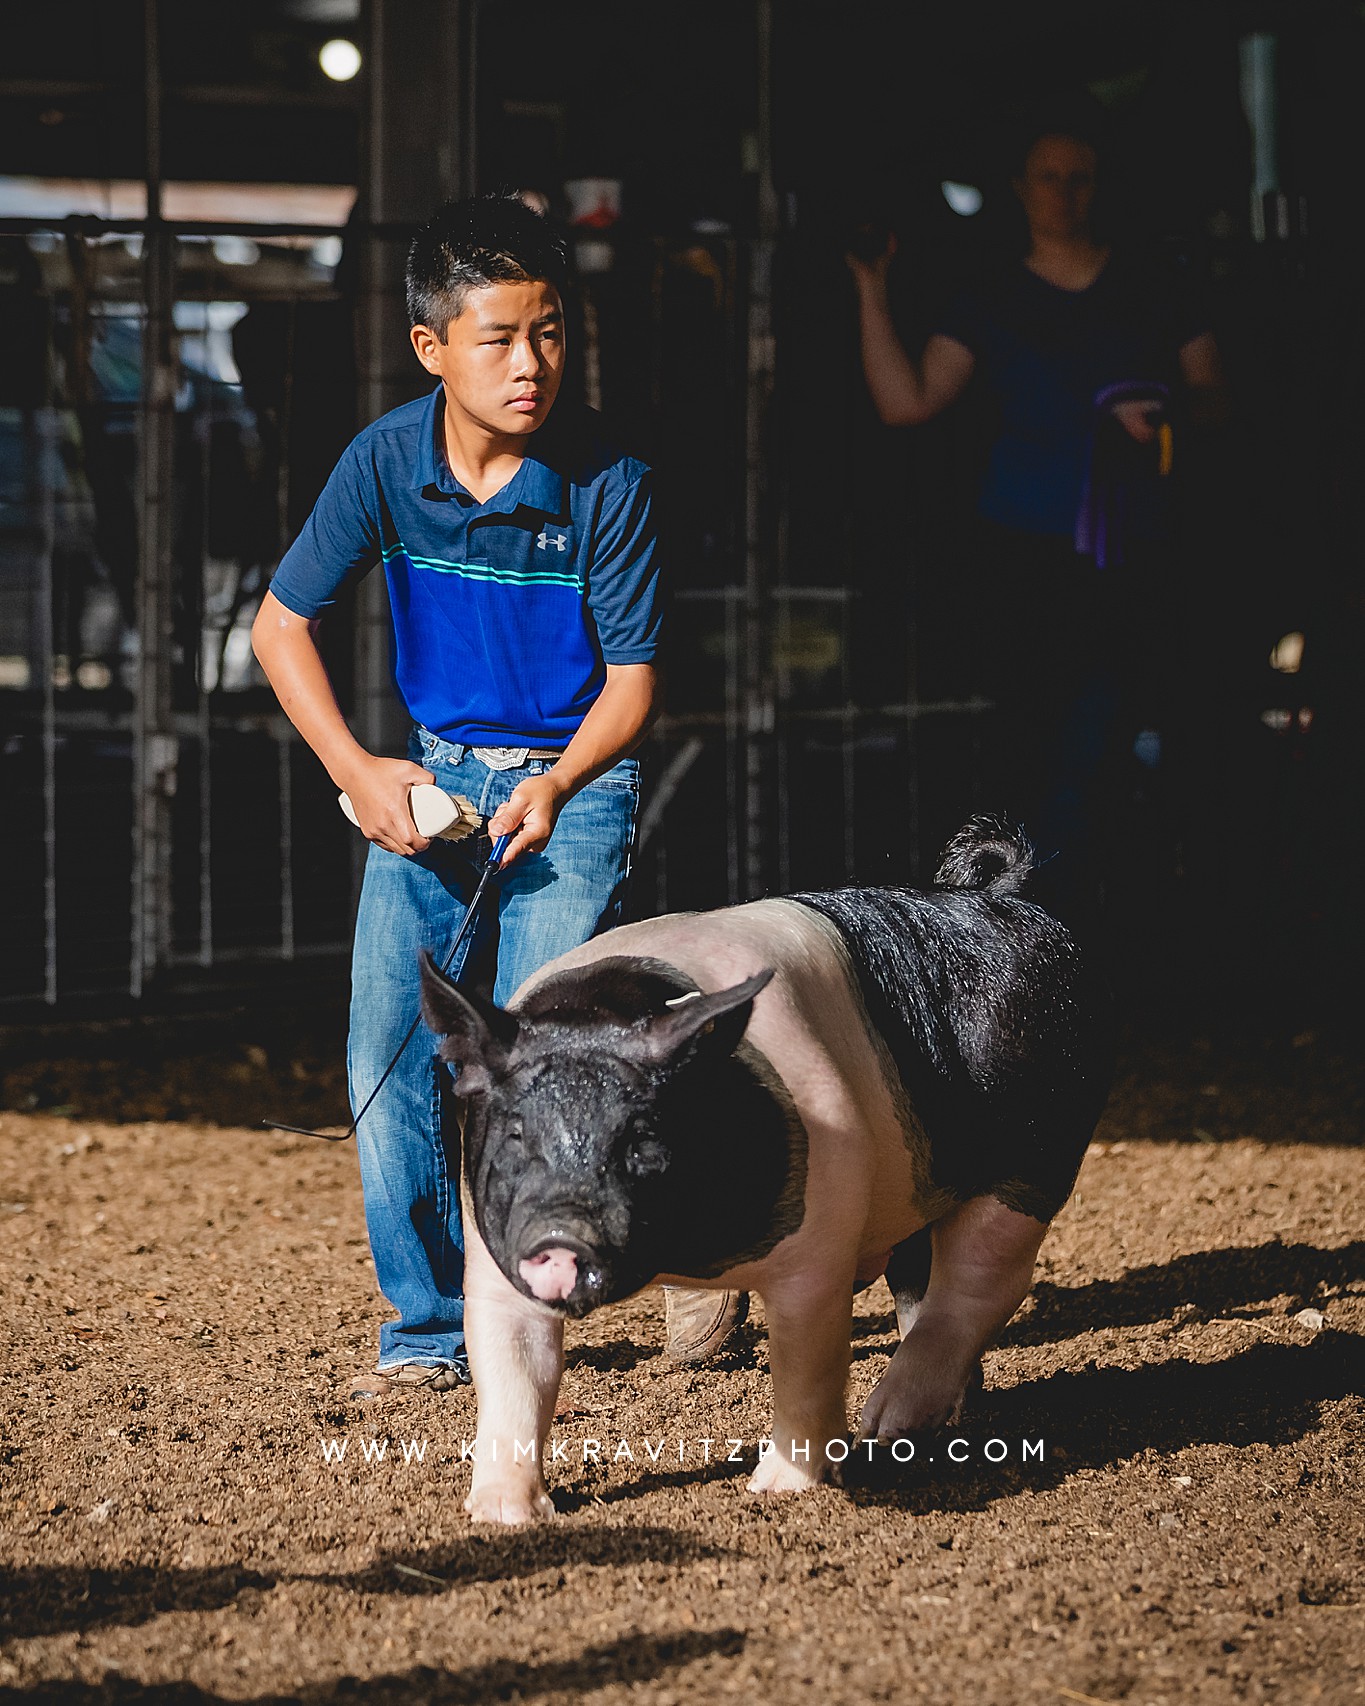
(541, 906)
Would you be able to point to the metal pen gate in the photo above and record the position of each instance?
(164, 820)
(170, 831)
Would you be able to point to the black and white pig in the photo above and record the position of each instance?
(791, 1097)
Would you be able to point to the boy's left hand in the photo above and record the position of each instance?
(531, 810)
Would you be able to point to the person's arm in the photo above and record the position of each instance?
(378, 787)
(1206, 393)
(613, 728)
(1201, 367)
(338, 542)
(904, 392)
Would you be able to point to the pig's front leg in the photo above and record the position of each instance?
(516, 1355)
(981, 1270)
(810, 1320)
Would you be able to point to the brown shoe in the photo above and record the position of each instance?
(411, 1376)
(699, 1322)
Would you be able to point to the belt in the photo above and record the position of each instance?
(510, 757)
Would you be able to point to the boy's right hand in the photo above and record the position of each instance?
(378, 789)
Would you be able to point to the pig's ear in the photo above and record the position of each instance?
(478, 1035)
(710, 1023)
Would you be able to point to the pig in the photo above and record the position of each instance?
(792, 1096)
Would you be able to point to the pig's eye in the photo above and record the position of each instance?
(514, 1135)
(645, 1157)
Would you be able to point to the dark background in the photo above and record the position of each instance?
(819, 556)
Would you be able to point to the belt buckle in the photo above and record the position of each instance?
(501, 757)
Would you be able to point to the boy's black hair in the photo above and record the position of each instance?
(470, 244)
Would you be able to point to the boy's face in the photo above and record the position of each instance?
(503, 357)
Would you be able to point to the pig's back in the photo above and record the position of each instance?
(999, 1033)
(809, 1024)
(814, 986)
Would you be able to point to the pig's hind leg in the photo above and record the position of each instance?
(981, 1270)
(907, 1276)
(516, 1355)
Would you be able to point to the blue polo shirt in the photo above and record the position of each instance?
(505, 612)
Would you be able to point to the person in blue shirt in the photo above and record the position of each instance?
(523, 576)
(1059, 340)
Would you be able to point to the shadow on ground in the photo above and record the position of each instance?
(1208, 1282)
(44, 1601)
(636, 1659)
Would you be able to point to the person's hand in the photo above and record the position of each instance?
(1141, 421)
(531, 811)
(872, 272)
(378, 789)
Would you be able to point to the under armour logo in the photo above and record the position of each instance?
(558, 540)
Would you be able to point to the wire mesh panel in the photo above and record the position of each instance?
(261, 864)
(263, 400)
(68, 447)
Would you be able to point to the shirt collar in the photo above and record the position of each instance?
(428, 468)
(542, 486)
(536, 484)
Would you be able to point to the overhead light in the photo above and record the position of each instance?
(340, 59)
(962, 198)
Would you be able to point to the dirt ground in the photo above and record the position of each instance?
(186, 1294)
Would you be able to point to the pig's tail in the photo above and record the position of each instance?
(989, 853)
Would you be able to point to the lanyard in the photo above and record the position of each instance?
(471, 912)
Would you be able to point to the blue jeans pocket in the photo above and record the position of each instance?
(622, 777)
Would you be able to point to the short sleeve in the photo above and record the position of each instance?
(338, 542)
(623, 576)
(963, 319)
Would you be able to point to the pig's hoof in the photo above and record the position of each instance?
(776, 1475)
(901, 1407)
(509, 1506)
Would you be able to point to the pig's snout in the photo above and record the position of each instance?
(552, 1274)
(561, 1267)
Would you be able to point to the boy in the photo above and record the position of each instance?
(523, 578)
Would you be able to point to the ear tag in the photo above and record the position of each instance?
(677, 1000)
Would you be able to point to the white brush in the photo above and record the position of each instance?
(436, 814)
